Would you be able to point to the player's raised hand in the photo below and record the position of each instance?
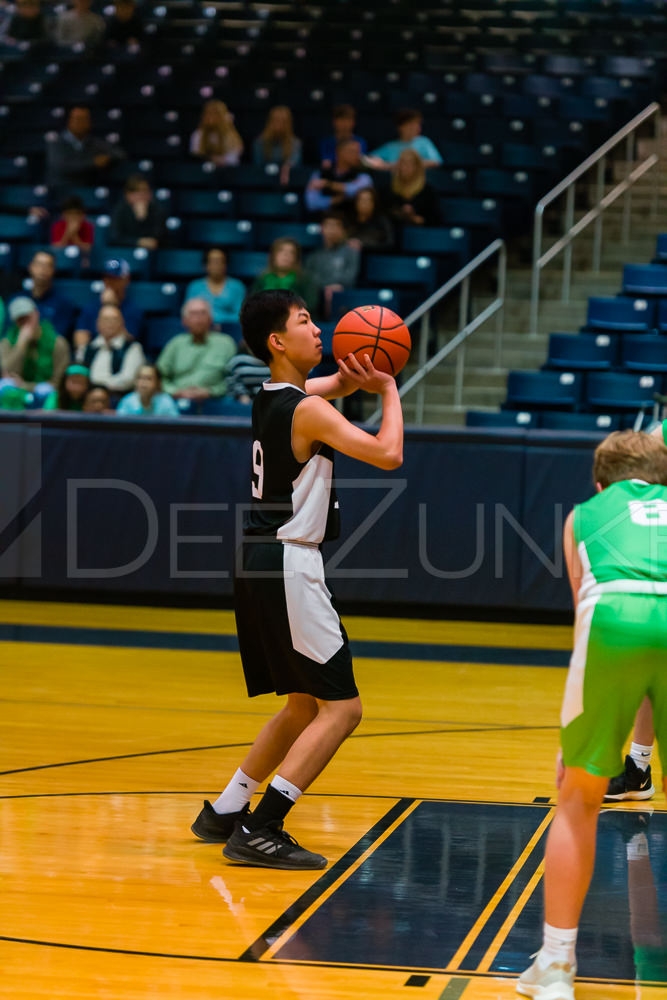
(362, 373)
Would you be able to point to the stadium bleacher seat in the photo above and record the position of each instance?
(620, 390)
(621, 314)
(522, 419)
(220, 233)
(644, 279)
(558, 421)
(645, 353)
(543, 390)
(583, 351)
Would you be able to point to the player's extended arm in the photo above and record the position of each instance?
(575, 570)
(658, 432)
(315, 421)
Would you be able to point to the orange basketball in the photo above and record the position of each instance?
(377, 332)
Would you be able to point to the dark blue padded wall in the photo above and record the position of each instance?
(139, 507)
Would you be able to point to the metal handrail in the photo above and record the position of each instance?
(423, 313)
(603, 201)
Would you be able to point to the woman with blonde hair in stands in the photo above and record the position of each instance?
(216, 139)
(412, 201)
(277, 142)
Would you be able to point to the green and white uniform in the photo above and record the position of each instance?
(620, 645)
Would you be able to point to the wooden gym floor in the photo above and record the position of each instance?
(117, 722)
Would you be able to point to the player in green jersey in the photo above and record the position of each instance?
(616, 553)
(634, 783)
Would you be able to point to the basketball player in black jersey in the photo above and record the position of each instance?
(290, 636)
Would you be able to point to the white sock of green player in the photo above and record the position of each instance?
(558, 945)
(239, 791)
(641, 754)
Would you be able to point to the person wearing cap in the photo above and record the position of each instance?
(53, 306)
(32, 355)
(76, 157)
(116, 277)
(193, 365)
(71, 390)
(113, 357)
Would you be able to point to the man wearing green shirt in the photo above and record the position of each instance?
(193, 365)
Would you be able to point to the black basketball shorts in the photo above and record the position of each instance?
(291, 638)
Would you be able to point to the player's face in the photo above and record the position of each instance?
(302, 339)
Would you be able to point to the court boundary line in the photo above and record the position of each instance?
(240, 746)
(322, 965)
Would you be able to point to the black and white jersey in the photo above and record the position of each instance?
(292, 501)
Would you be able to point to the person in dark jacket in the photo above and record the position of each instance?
(136, 220)
(412, 200)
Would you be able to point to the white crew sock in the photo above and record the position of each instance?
(239, 791)
(286, 788)
(558, 945)
(641, 754)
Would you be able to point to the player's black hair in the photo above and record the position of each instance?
(265, 313)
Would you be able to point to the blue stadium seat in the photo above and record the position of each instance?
(583, 351)
(543, 390)
(188, 174)
(79, 291)
(181, 265)
(477, 213)
(138, 258)
(246, 264)
(221, 233)
(560, 421)
(621, 314)
(213, 204)
(644, 279)
(308, 234)
(645, 353)
(438, 242)
(225, 407)
(6, 257)
(68, 259)
(351, 298)
(156, 296)
(268, 205)
(620, 390)
(522, 419)
(160, 329)
(20, 228)
(661, 249)
(23, 196)
(661, 316)
(383, 269)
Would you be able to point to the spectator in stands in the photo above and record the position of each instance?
(71, 390)
(73, 229)
(79, 26)
(284, 271)
(116, 276)
(136, 220)
(97, 400)
(408, 126)
(77, 157)
(277, 143)
(412, 200)
(245, 375)
(28, 23)
(338, 184)
(225, 295)
(215, 139)
(336, 265)
(193, 365)
(113, 357)
(53, 306)
(125, 26)
(343, 121)
(32, 355)
(368, 227)
(148, 400)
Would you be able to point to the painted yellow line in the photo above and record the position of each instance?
(479, 924)
(300, 921)
(510, 920)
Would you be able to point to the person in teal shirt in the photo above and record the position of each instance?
(409, 127)
(616, 558)
(193, 365)
(148, 400)
(225, 295)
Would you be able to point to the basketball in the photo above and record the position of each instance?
(377, 332)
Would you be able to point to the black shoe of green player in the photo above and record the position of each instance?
(270, 847)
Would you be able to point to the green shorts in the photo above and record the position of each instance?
(619, 656)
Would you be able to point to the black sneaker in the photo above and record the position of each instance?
(633, 784)
(270, 847)
(216, 828)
